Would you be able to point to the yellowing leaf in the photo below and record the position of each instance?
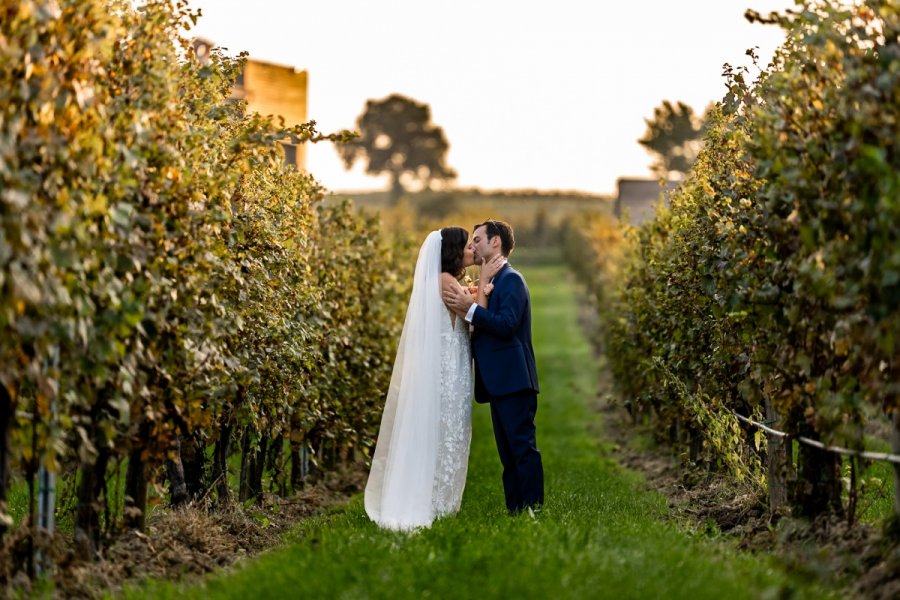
(95, 205)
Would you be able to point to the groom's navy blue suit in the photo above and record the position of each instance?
(506, 377)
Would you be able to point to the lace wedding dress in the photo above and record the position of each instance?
(421, 457)
(456, 416)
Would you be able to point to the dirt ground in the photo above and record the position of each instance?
(860, 561)
(178, 544)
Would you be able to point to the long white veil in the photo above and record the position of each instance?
(400, 486)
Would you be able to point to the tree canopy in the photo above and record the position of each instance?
(398, 137)
(674, 136)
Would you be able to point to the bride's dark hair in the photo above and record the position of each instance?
(453, 246)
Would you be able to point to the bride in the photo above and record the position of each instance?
(419, 467)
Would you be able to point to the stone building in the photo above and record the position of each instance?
(637, 199)
(271, 89)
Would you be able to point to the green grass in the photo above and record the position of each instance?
(876, 495)
(66, 497)
(17, 501)
(600, 535)
(18, 498)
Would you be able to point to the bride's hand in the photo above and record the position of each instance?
(492, 267)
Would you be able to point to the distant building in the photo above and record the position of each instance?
(271, 89)
(637, 199)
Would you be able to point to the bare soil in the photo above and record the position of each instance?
(860, 560)
(177, 544)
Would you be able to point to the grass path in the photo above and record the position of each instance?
(600, 536)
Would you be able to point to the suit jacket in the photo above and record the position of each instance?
(501, 341)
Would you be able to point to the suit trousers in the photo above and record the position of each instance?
(514, 431)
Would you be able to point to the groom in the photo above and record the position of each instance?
(505, 373)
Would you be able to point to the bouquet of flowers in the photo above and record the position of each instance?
(472, 286)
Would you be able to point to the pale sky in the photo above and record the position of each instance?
(531, 94)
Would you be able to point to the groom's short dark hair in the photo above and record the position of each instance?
(493, 228)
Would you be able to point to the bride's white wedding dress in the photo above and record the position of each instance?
(456, 416)
(421, 457)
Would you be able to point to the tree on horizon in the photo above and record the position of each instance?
(396, 136)
(674, 137)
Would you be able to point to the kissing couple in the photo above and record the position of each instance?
(421, 456)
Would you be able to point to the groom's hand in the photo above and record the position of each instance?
(457, 299)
